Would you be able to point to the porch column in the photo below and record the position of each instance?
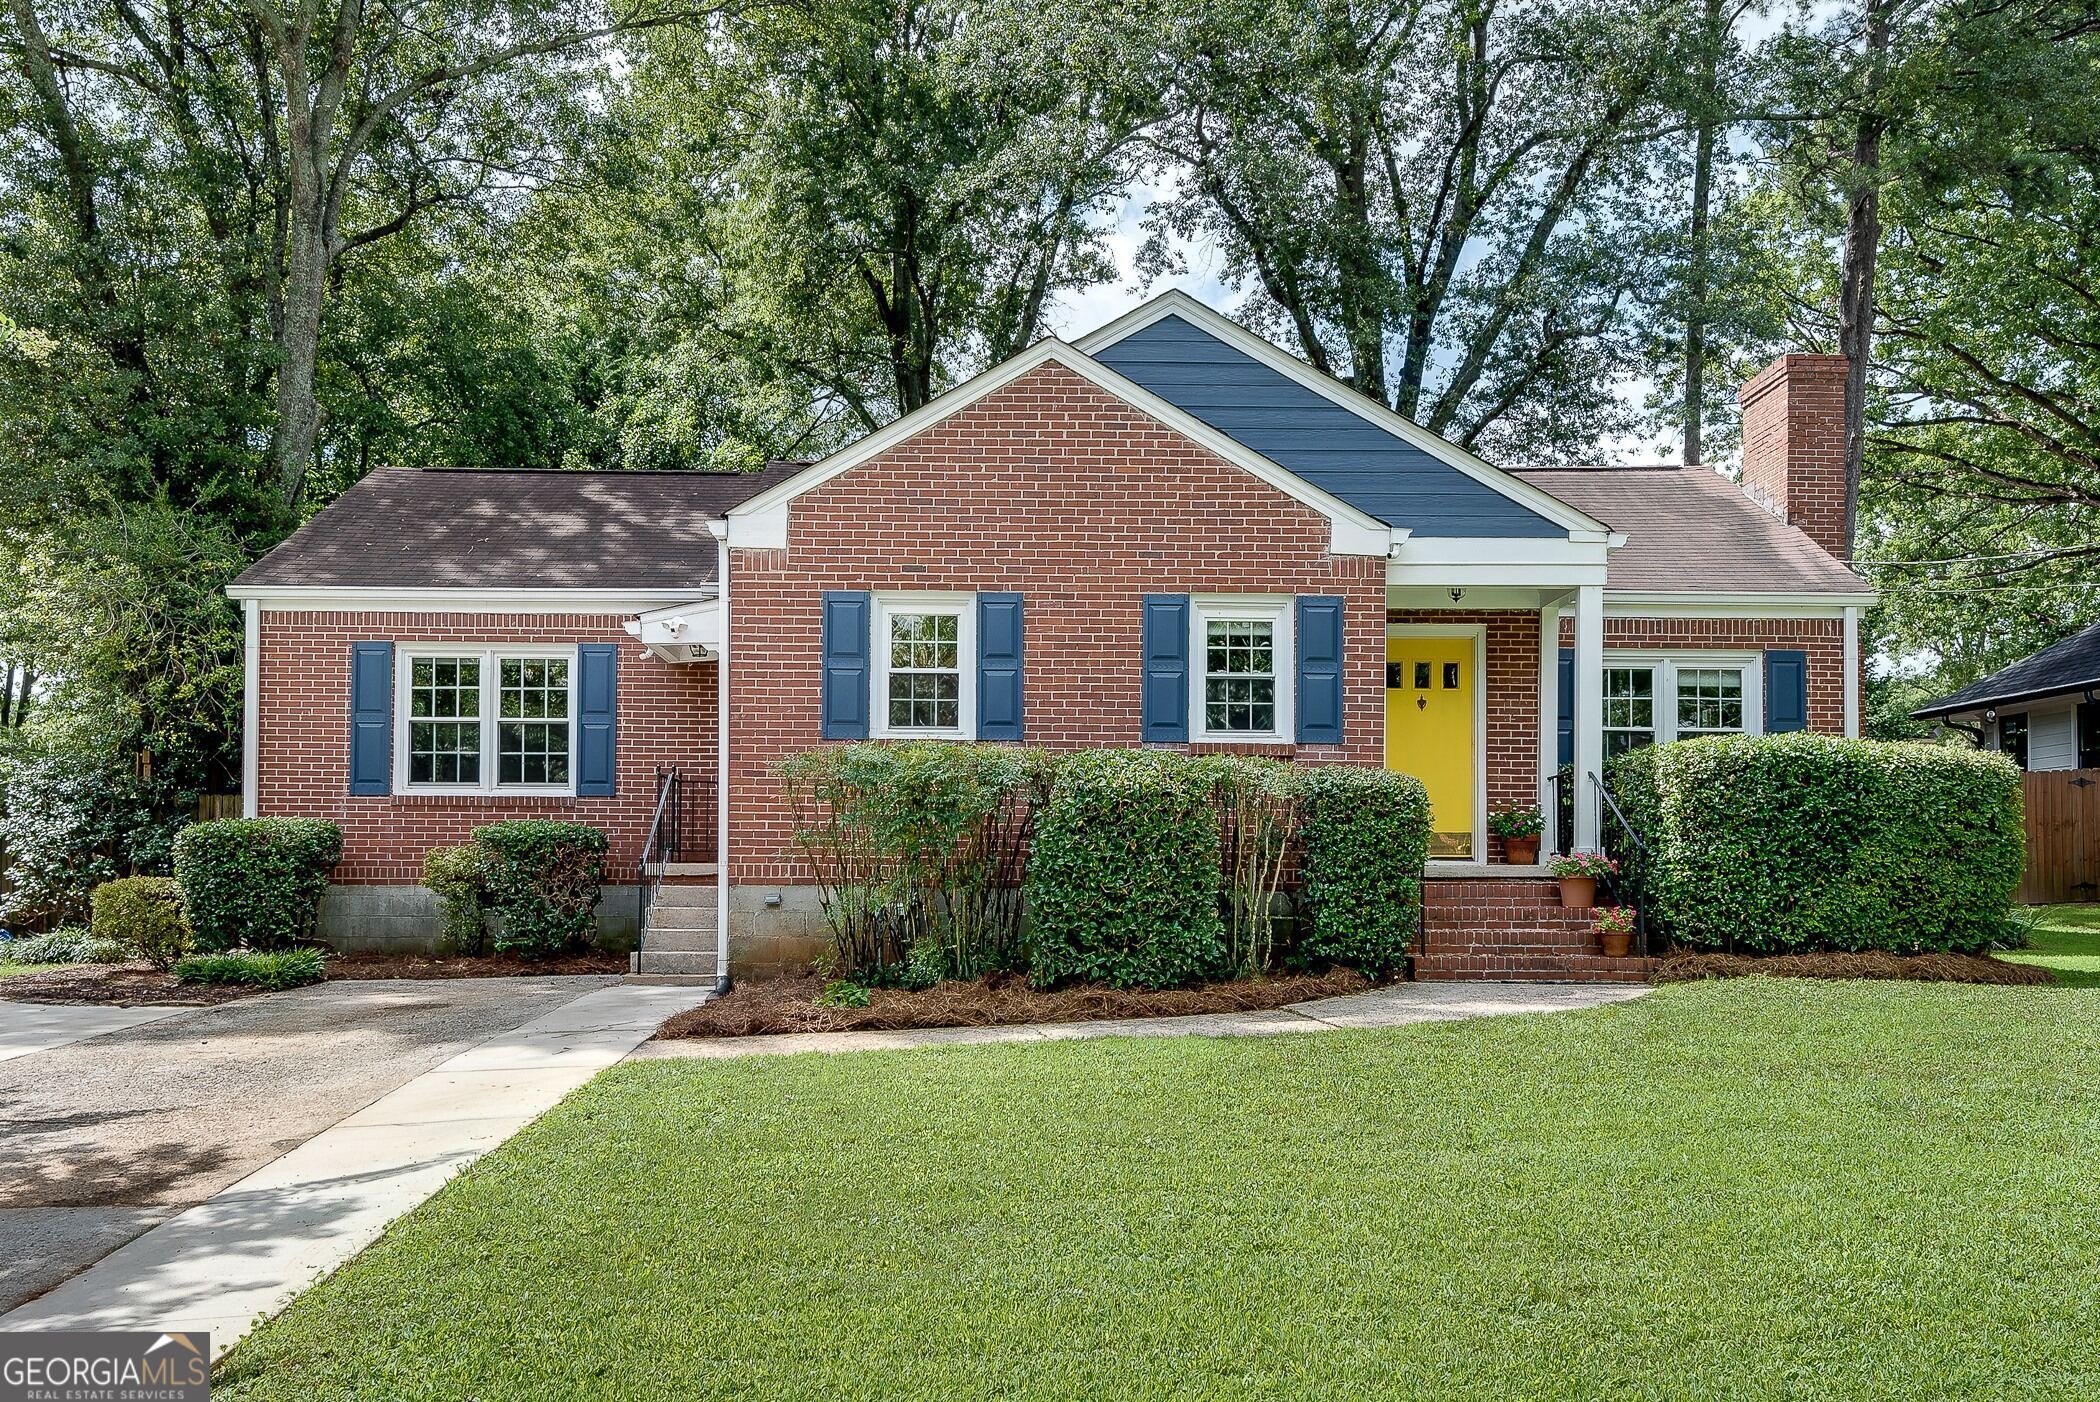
(1549, 725)
(1589, 709)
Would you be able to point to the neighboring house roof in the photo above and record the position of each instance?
(2071, 665)
(1359, 450)
(1689, 529)
(443, 528)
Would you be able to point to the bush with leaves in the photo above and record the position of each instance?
(68, 944)
(69, 821)
(143, 913)
(255, 968)
(543, 879)
(459, 878)
(1125, 877)
(919, 851)
(254, 882)
(1258, 804)
(1780, 844)
(1366, 835)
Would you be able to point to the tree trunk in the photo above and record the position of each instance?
(1862, 245)
(298, 412)
(1695, 288)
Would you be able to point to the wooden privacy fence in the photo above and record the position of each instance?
(2063, 836)
(213, 806)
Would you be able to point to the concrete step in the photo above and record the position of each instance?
(691, 963)
(682, 917)
(688, 937)
(670, 894)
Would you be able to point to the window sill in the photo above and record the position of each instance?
(481, 800)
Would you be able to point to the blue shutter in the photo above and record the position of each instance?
(371, 719)
(1165, 694)
(999, 666)
(1786, 691)
(1319, 669)
(597, 694)
(1567, 706)
(846, 665)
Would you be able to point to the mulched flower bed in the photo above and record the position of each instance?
(1927, 968)
(137, 985)
(765, 1006)
(475, 966)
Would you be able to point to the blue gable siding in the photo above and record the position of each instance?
(1319, 440)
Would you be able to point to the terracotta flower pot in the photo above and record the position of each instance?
(1578, 892)
(1617, 943)
(1523, 851)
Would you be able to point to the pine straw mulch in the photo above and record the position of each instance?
(760, 1007)
(377, 965)
(135, 985)
(1928, 968)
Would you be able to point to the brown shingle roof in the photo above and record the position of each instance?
(457, 529)
(1689, 529)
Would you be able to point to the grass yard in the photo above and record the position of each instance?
(11, 970)
(1729, 1189)
(2065, 939)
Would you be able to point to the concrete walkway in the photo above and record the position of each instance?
(36, 1027)
(243, 1253)
(1394, 1006)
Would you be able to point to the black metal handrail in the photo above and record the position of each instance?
(663, 845)
(1640, 847)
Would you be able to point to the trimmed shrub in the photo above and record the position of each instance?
(543, 880)
(1803, 842)
(254, 882)
(458, 877)
(1366, 835)
(1258, 802)
(1124, 877)
(254, 968)
(68, 944)
(143, 913)
(919, 850)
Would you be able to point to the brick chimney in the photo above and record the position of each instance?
(1794, 444)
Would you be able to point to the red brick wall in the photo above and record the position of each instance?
(1082, 504)
(1823, 639)
(1794, 444)
(666, 715)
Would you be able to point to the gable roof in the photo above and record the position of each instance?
(449, 528)
(1327, 433)
(2071, 665)
(1689, 529)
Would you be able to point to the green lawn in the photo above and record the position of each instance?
(2065, 938)
(10, 970)
(1751, 1188)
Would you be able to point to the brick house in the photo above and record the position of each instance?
(1169, 533)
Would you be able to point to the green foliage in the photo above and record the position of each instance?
(1366, 835)
(919, 850)
(842, 993)
(1806, 842)
(68, 944)
(543, 880)
(1258, 810)
(255, 882)
(459, 878)
(143, 913)
(1595, 865)
(1124, 878)
(255, 968)
(67, 825)
(1517, 822)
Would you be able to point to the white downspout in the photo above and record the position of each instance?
(251, 704)
(1852, 673)
(720, 531)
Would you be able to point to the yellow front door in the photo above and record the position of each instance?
(1429, 731)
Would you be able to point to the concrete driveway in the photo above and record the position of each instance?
(103, 1138)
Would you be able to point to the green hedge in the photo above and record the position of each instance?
(1366, 834)
(1124, 875)
(458, 877)
(254, 881)
(1807, 842)
(142, 913)
(543, 880)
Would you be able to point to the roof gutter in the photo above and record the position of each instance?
(1942, 707)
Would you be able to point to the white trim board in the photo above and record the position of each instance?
(1175, 302)
(303, 598)
(760, 523)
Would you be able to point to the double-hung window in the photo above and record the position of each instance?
(1243, 652)
(486, 720)
(1648, 700)
(925, 666)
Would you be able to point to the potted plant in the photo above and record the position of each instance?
(1615, 930)
(1519, 829)
(1578, 873)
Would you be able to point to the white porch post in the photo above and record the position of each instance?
(723, 654)
(251, 706)
(1549, 724)
(1852, 673)
(1589, 709)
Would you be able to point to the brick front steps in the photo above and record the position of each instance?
(1512, 928)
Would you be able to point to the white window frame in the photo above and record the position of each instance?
(1278, 609)
(1666, 666)
(964, 607)
(405, 658)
